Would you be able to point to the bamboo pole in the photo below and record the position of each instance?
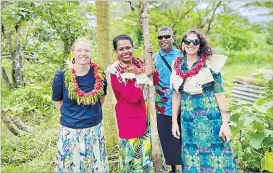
(156, 152)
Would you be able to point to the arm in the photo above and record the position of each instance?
(225, 132)
(150, 68)
(128, 91)
(102, 98)
(175, 108)
(58, 105)
(218, 89)
(223, 105)
(57, 89)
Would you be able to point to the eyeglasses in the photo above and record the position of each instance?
(164, 36)
(195, 42)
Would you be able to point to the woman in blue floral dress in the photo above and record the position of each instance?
(199, 92)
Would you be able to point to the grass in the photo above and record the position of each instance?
(231, 71)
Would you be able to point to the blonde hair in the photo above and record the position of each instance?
(80, 40)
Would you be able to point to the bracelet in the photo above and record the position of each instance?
(226, 119)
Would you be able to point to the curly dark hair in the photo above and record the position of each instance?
(204, 45)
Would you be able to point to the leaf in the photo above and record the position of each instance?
(258, 126)
(235, 117)
(256, 140)
(246, 157)
(268, 142)
(256, 163)
(247, 119)
(267, 162)
(268, 132)
(265, 107)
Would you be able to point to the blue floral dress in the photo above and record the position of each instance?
(202, 148)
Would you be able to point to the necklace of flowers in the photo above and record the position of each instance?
(137, 67)
(193, 71)
(74, 91)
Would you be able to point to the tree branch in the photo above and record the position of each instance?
(6, 78)
(19, 123)
(2, 28)
(9, 124)
(50, 13)
(213, 14)
(26, 39)
(185, 14)
(10, 45)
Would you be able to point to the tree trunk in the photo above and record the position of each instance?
(19, 123)
(103, 33)
(6, 78)
(17, 61)
(156, 152)
(9, 124)
(104, 56)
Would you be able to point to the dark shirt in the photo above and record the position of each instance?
(74, 115)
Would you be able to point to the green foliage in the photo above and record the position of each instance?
(270, 33)
(232, 38)
(32, 152)
(250, 56)
(34, 103)
(67, 22)
(34, 99)
(253, 131)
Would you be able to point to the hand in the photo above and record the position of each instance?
(149, 49)
(149, 70)
(225, 132)
(141, 86)
(175, 130)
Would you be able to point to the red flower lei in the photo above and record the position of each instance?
(193, 71)
(138, 67)
(74, 91)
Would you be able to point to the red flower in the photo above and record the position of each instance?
(158, 91)
(97, 85)
(156, 78)
(193, 71)
(164, 99)
(73, 71)
(165, 88)
(137, 68)
(157, 107)
(160, 109)
(81, 93)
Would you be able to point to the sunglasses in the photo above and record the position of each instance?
(163, 36)
(195, 42)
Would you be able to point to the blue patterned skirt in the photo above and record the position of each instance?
(81, 150)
